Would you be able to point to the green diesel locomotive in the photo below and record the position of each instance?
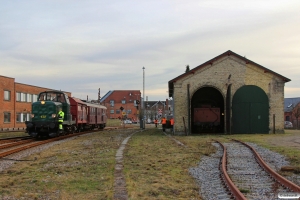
(44, 119)
(78, 115)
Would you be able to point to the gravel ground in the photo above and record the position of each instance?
(207, 172)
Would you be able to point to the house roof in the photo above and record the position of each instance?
(227, 53)
(106, 95)
(154, 103)
(290, 103)
(119, 95)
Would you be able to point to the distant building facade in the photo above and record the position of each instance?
(15, 103)
(157, 110)
(292, 111)
(114, 100)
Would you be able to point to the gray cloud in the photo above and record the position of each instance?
(79, 46)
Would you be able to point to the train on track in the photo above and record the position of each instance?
(206, 118)
(78, 115)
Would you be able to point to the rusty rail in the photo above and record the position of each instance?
(3, 154)
(15, 144)
(292, 186)
(233, 189)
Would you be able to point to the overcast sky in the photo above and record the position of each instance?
(80, 46)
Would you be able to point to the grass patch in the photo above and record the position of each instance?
(245, 191)
(113, 122)
(12, 134)
(156, 167)
(79, 169)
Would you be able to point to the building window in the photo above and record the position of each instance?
(23, 97)
(18, 117)
(112, 103)
(34, 98)
(117, 111)
(123, 101)
(6, 117)
(112, 111)
(25, 117)
(18, 96)
(129, 111)
(287, 118)
(29, 97)
(6, 95)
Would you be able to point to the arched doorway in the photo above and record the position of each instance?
(250, 110)
(207, 111)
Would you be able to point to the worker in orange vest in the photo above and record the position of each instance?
(163, 123)
(172, 124)
(155, 122)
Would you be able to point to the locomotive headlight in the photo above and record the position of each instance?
(43, 102)
(32, 115)
(53, 115)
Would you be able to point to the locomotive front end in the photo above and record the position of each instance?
(43, 119)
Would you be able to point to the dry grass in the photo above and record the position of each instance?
(12, 134)
(79, 169)
(155, 167)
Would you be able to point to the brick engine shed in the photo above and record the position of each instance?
(228, 94)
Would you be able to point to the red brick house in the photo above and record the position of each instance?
(127, 99)
(292, 111)
(15, 103)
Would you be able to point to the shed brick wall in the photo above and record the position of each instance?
(216, 75)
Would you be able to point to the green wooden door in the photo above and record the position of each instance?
(250, 110)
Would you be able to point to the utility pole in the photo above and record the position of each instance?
(143, 97)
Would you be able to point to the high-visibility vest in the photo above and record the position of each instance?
(155, 121)
(172, 121)
(163, 121)
(61, 115)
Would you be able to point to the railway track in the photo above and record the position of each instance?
(14, 139)
(237, 171)
(28, 142)
(251, 175)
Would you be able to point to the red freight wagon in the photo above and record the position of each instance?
(79, 112)
(207, 115)
(96, 116)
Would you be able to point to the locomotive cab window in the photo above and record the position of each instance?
(52, 96)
